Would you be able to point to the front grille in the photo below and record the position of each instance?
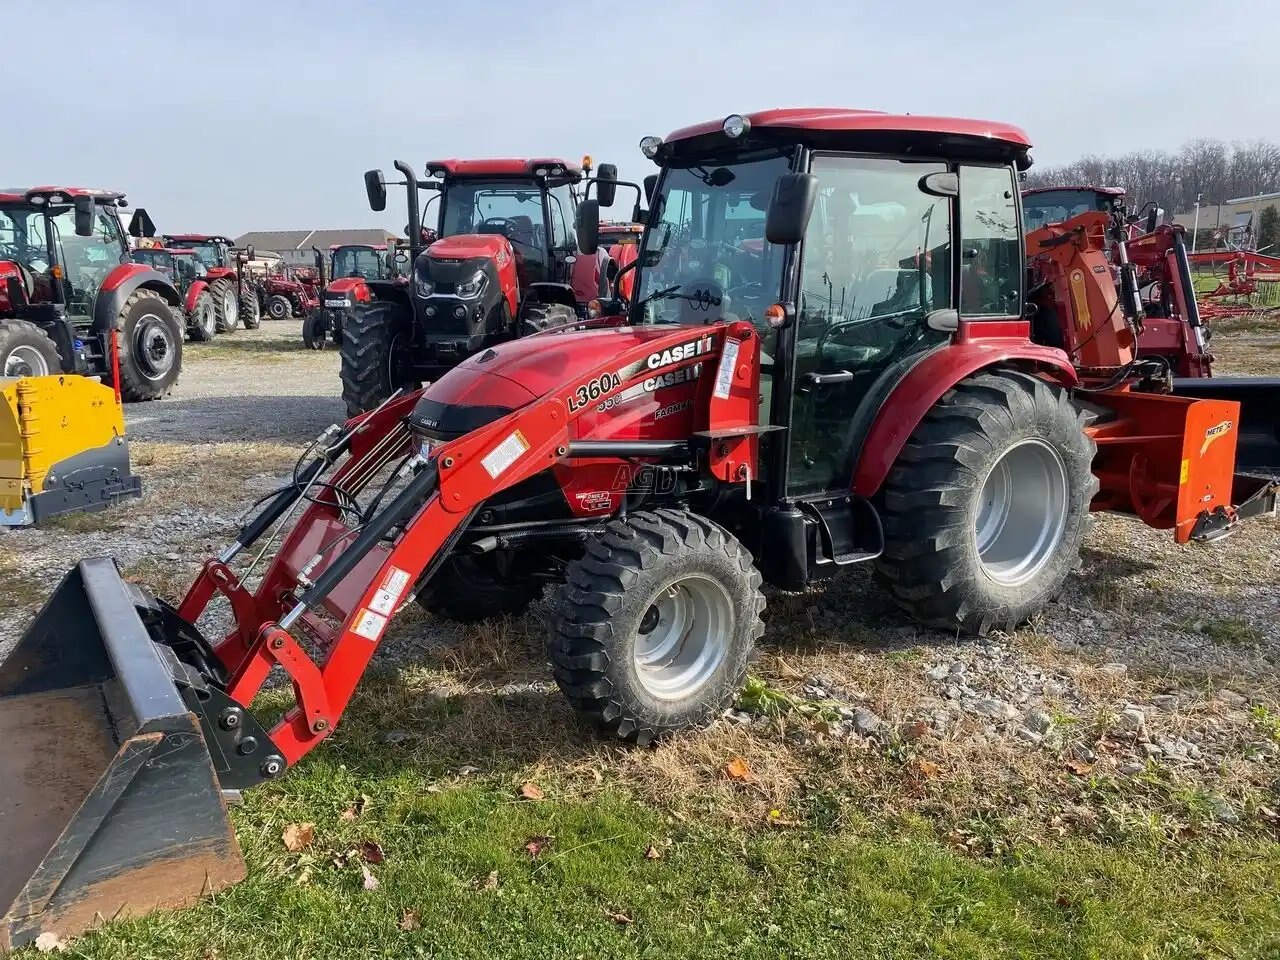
(444, 322)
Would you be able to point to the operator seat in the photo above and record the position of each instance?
(522, 231)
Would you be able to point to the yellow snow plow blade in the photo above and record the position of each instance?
(62, 448)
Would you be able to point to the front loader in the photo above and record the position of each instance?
(775, 403)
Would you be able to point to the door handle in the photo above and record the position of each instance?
(828, 379)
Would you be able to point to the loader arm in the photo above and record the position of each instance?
(393, 554)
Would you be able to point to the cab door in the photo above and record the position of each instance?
(876, 263)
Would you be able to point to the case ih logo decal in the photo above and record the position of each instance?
(1213, 433)
(683, 351)
(652, 385)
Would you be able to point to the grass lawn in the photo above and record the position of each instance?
(465, 866)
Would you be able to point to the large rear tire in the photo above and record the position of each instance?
(202, 324)
(279, 307)
(466, 591)
(987, 505)
(367, 344)
(655, 624)
(27, 351)
(150, 343)
(250, 309)
(226, 304)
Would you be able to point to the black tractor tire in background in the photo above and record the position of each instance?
(986, 507)
(655, 625)
(250, 309)
(224, 295)
(27, 351)
(368, 338)
(279, 307)
(150, 342)
(536, 317)
(202, 324)
(315, 330)
(467, 590)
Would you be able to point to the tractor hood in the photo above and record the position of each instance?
(467, 246)
(511, 375)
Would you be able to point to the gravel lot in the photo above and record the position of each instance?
(1157, 672)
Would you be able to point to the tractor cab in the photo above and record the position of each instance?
(1044, 205)
(360, 260)
(67, 274)
(236, 296)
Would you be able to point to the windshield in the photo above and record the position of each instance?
(358, 262)
(207, 252)
(705, 256)
(1058, 206)
(513, 210)
(157, 259)
(25, 234)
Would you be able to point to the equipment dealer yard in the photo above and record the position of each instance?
(1104, 782)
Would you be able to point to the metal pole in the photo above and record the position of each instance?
(1195, 230)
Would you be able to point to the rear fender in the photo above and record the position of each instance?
(927, 381)
(121, 284)
(193, 293)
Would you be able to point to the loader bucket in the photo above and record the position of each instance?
(110, 804)
(1258, 440)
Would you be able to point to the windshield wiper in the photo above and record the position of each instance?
(666, 293)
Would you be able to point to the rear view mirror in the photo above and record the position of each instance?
(607, 184)
(588, 225)
(375, 187)
(790, 207)
(650, 182)
(84, 216)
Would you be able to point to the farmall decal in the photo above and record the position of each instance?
(1213, 433)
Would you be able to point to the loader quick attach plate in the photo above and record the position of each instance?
(111, 803)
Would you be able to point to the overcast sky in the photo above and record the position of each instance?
(234, 116)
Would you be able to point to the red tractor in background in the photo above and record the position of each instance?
(284, 294)
(189, 276)
(619, 247)
(235, 294)
(69, 291)
(500, 266)
(342, 285)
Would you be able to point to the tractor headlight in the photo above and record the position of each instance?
(473, 287)
(423, 287)
(736, 125)
(650, 146)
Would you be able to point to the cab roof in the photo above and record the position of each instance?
(198, 238)
(24, 194)
(504, 167)
(835, 127)
(1107, 191)
(358, 246)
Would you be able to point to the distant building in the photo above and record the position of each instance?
(1237, 219)
(294, 246)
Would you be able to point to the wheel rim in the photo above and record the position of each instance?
(230, 306)
(25, 361)
(152, 347)
(1022, 512)
(208, 321)
(276, 309)
(683, 637)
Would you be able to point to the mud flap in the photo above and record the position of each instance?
(111, 805)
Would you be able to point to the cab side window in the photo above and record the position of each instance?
(991, 243)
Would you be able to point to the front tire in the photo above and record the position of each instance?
(367, 345)
(536, 317)
(279, 307)
(202, 324)
(27, 351)
(655, 624)
(315, 330)
(150, 343)
(226, 305)
(987, 505)
(250, 309)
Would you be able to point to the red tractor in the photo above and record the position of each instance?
(285, 294)
(500, 266)
(619, 247)
(235, 294)
(69, 293)
(1148, 261)
(189, 275)
(344, 283)
(827, 363)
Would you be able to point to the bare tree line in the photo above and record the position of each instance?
(1212, 169)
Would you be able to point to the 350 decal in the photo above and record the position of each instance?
(593, 390)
